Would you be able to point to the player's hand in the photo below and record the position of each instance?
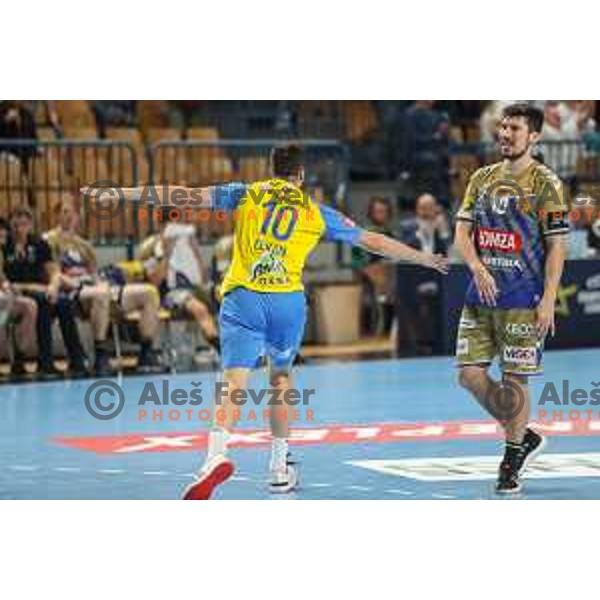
(438, 262)
(545, 317)
(486, 285)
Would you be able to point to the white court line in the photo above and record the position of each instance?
(111, 471)
(359, 488)
(67, 469)
(23, 467)
(400, 492)
(443, 496)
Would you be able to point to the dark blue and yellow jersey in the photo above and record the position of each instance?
(512, 217)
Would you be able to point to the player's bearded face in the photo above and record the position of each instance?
(514, 137)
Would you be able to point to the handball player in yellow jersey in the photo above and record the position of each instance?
(263, 308)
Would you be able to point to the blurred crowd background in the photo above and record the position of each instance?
(400, 167)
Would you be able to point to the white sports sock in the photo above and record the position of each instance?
(279, 450)
(217, 443)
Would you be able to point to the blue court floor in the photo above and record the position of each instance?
(390, 429)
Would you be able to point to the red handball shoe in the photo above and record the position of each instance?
(218, 471)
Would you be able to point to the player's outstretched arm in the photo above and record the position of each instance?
(381, 244)
(165, 194)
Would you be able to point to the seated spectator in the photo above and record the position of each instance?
(559, 138)
(114, 113)
(584, 237)
(51, 117)
(28, 266)
(81, 283)
(428, 231)
(17, 122)
(422, 150)
(19, 310)
(173, 263)
(376, 274)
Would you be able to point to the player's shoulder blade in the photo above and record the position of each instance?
(544, 173)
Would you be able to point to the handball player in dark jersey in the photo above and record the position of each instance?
(511, 230)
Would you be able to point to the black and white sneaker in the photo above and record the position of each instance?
(533, 444)
(283, 482)
(509, 478)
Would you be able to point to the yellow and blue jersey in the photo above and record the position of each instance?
(277, 226)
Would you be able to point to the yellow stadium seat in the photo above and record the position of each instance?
(202, 133)
(253, 168)
(80, 133)
(154, 135)
(75, 114)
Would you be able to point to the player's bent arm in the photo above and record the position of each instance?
(556, 254)
(378, 243)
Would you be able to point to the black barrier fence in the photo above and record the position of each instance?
(39, 173)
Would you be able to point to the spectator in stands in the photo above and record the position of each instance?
(17, 122)
(81, 283)
(17, 309)
(422, 152)
(584, 237)
(490, 119)
(28, 266)
(429, 230)
(559, 138)
(173, 263)
(50, 114)
(77, 263)
(114, 113)
(376, 274)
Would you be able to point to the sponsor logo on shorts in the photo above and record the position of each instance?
(521, 355)
(547, 466)
(462, 346)
(501, 241)
(467, 323)
(520, 329)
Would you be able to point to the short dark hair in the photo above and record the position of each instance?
(287, 160)
(4, 224)
(22, 211)
(533, 115)
(378, 200)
